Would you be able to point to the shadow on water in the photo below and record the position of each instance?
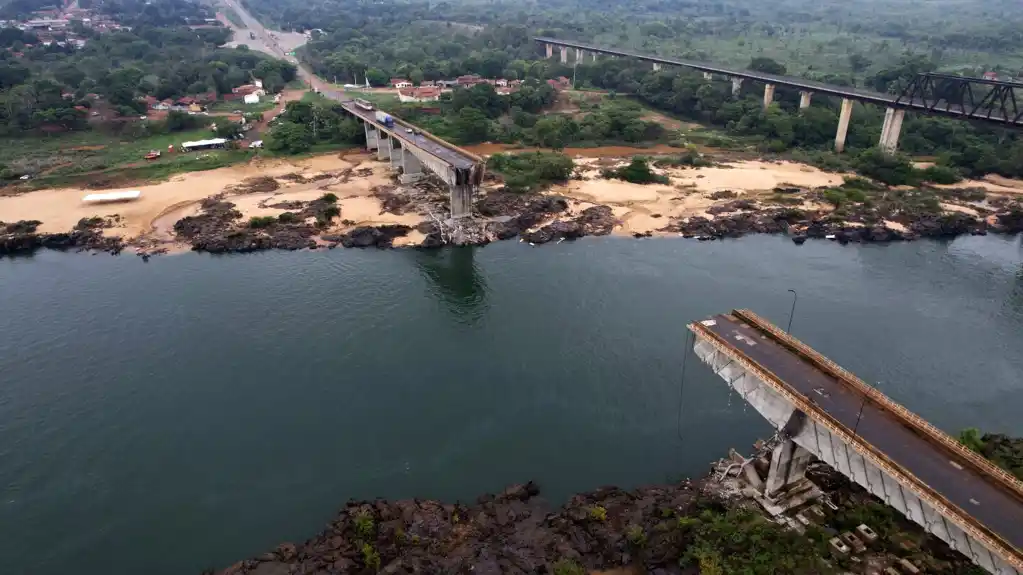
(458, 282)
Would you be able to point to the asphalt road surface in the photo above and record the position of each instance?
(979, 495)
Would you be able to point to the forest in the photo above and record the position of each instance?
(160, 56)
(876, 44)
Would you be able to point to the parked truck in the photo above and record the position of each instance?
(385, 119)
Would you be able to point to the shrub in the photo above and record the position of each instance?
(598, 513)
(567, 567)
(940, 175)
(289, 218)
(635, 535)
(637, 172)
(892, 169)
(689, 159)
(531, 172)
(370, 557)
(258, 222)
(364, 527)
(329, 198)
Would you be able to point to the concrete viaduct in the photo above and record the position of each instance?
(410, 150)
(820, 410)
(896, 106)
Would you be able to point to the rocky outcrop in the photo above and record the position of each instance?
(21, 237)
(371, 237)
(593, 221)
(514, 532)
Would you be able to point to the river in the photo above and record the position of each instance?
(183, 414)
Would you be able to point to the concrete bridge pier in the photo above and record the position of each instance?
(804, 99)
(550, 50)
(843, 124)
(657, 67)
(890, 130)
(579, 55)
(461, 200)
(708, 76)
(397, 153)
(411, 167)
(594, 54)
(768, 95)
(736, 86)
(564, 55)
(384, 148)
(372, 136)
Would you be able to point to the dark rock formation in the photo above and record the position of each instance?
(369, 236)
(506, 534)
(21, 237)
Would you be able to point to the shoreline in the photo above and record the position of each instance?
(667, 529)
(280, 205)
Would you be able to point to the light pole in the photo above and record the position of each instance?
(792, 312)
(859, 414)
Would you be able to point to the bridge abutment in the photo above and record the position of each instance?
(890, 130)
(461, 200)
(843, 124)
(804, 99)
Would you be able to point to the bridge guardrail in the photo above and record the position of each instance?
(960, 518)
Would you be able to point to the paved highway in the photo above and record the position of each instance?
(852, 93)
(977, 494)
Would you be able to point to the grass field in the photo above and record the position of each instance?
(97, 158)
(267, 103)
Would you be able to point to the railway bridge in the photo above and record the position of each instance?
(979, 99)
(822, 410)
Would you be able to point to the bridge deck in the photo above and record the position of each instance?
(448, 153)
(995, 506)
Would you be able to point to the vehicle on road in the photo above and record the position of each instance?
(385, 119)
(364, 104)
(256, 144)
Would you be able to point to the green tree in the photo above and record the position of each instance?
(472, 125)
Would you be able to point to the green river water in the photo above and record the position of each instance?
(167, 417)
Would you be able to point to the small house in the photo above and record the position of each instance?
(400, 83)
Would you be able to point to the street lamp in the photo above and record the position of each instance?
(792, 312)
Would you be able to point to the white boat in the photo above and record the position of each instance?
(112, 197)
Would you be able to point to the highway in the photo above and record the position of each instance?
(994, 505)
(849, 92)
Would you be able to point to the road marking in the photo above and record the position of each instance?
(956, 465)
(745, 339)
(974, 501)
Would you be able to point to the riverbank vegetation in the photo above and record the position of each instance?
(1002, 450)
(311, 124)
(531, 172)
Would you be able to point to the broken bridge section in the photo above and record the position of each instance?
(820, 410)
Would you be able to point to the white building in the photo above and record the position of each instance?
(251, 98)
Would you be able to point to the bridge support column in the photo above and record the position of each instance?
(843, 124)
(891, 129)
(804, 99)
(372, 136)
(736, 86)
(657, 67)
(550, 50)
(768, 95)
(411, 167)
(708, 76)
(564, 55)
(579, 55)
(396, 154)
(788, 468)
(594, 54)
(461, 201)
(384, 148)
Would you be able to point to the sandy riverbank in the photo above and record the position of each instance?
(368, 196)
